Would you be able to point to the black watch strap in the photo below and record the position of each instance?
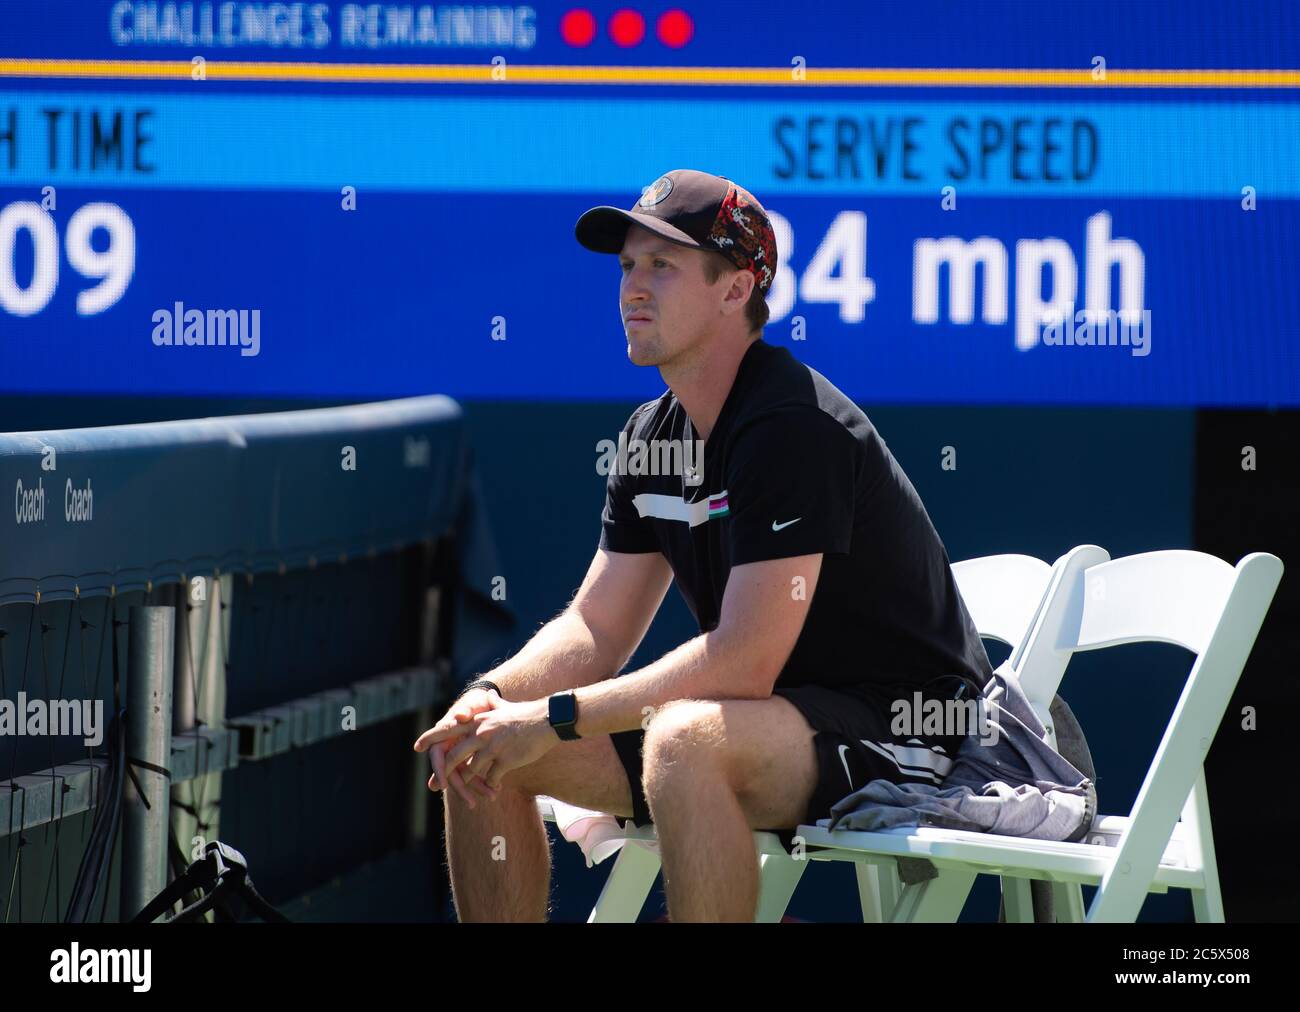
(562, 710)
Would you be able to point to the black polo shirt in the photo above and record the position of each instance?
(793, 467)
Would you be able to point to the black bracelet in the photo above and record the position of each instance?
(480, 683)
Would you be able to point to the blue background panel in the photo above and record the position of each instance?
(411, 292)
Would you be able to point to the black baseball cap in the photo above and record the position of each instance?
(695, 209)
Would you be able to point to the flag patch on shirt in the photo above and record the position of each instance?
(671, 507)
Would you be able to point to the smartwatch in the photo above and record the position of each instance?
(563, 713)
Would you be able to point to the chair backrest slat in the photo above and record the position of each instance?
(1002, 593)
(1168, 597)
(1038, 662)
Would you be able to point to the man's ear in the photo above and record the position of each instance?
(740, 288)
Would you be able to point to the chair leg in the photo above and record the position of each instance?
(1207, 903)
(778, 877)
(878, 889)
(1067, 898)
(1017, 900)
(936, 900)
(629, 883)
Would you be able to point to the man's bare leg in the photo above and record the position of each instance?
(499, 853)
(499, 858)
(715, 771)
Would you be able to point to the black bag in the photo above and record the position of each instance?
(220, 877)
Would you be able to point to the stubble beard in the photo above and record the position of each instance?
(645, 351)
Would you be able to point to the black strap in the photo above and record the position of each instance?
(150, 766)
(221, 877)
(192, 810)
(199, 877)
(480, 683)
(130, 771)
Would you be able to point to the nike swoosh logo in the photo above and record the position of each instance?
(777, 527)
(847, 774)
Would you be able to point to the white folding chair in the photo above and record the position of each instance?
(1186, 598)
(1003, 594)
(1006, 595)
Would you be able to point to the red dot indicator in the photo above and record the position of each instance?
(675, 28)
(626, 28)
(578, 27)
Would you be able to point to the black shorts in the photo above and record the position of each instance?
(854, 744)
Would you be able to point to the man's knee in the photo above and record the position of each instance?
(684, 726)
(761, 749)
(684, 740)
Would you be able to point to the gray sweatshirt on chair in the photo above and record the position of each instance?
(1015, 786)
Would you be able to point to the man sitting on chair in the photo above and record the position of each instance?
(822, 591)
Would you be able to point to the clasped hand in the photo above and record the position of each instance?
(483, 737)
